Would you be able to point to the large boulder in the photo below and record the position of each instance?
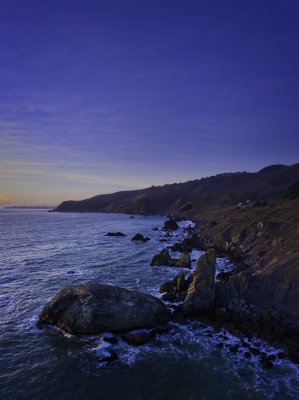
(93, 308)
(201, 293)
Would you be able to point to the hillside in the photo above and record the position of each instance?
(262, 235)
(191, 198)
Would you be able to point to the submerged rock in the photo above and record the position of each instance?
(201, 292)
(94, 308)
(140, 238)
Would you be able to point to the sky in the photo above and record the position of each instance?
(101, 96)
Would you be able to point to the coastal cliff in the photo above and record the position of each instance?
(252, 218)
(265, 242)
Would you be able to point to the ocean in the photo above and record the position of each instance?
(42, 252)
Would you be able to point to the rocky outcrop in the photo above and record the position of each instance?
(201, 293)
(184, 261)
(188, 244)
(140, 238)
(94, 308)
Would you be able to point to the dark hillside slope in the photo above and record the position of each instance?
(191, 198)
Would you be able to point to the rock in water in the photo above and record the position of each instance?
(93, 308)
(163, 258)
(171, 225)
(117, 234)
(201, 292)
(140, 238)
(184, 261)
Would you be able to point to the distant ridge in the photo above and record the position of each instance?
(275, 167)
(191, 198)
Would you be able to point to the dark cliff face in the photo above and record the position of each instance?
(265, 239)
(191, 198)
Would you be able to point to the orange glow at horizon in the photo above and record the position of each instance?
(4, 198)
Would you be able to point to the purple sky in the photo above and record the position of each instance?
(100, 96)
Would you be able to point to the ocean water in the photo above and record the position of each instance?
(42, 252)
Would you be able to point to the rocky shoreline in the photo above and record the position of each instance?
(262, 295)
(220, 303)
(244, 304)
(251, 218)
